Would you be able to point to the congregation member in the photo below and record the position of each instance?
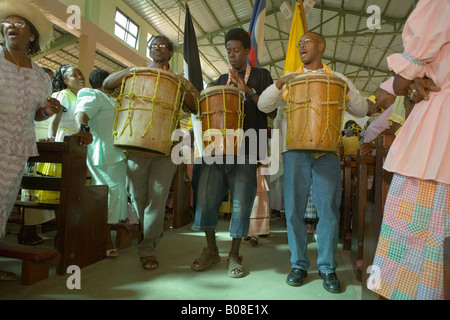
(409, 260)
(384, 98)
(260, 217)
(149, 178)
(67, 81)
(305, 168)
(94, 114)
(350, 140)
(25, 91)
(216, 179)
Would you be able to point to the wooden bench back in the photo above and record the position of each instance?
(72, 158)
(349, 165)
(82, 212)
(365, 168)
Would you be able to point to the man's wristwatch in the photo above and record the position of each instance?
(84, 128)
(251, 94)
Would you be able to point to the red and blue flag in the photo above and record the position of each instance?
(256, 31)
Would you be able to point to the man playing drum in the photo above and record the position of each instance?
(150, 176)
(305, 167)
(216, 179)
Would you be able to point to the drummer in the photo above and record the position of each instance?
(303, 168)
(216, 179)
(149, 177)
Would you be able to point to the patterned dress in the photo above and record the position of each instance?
(409, 257)
(21, 95)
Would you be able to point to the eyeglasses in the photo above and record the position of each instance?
(154, 46)
(307, 40)
(17, 24)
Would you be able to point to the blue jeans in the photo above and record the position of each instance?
(301, 169)
(213, 184)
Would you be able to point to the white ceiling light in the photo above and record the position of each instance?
(286, 10)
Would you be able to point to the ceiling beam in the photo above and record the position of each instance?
(234, 25)
(59, 43)
(342, 11)
(354, 39)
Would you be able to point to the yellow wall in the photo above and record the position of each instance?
(106, 21)
(102, 14)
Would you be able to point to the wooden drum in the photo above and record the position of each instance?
(147, 110)
(222, 115)
(314, 112)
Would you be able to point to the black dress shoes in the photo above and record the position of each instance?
(295, 277)
(330, 282)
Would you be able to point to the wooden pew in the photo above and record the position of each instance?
(349, 189)
(36, 261)
(126, 233)
(82, 212)
(365, 168)
(182, 211)
(374, 213)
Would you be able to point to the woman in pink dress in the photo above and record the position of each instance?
(409, 259)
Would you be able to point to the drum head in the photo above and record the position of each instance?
(154, 72)
(318, 77)
(210, 91)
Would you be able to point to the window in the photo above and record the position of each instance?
(126, 29)
(149, 38)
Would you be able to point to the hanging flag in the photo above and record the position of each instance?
(193, 72)
(192, 66)
(256, 31)
(293, 62)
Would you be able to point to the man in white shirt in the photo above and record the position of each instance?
(303, 168)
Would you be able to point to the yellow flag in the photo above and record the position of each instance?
(293, 61)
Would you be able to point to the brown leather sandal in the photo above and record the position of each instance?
(149, 263)
(206, 259)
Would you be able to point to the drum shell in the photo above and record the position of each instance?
(314, 112)
(149, 111)
(221, 108)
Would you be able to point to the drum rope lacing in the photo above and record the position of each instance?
(174, 116)
(212, 132)
(291, 106)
